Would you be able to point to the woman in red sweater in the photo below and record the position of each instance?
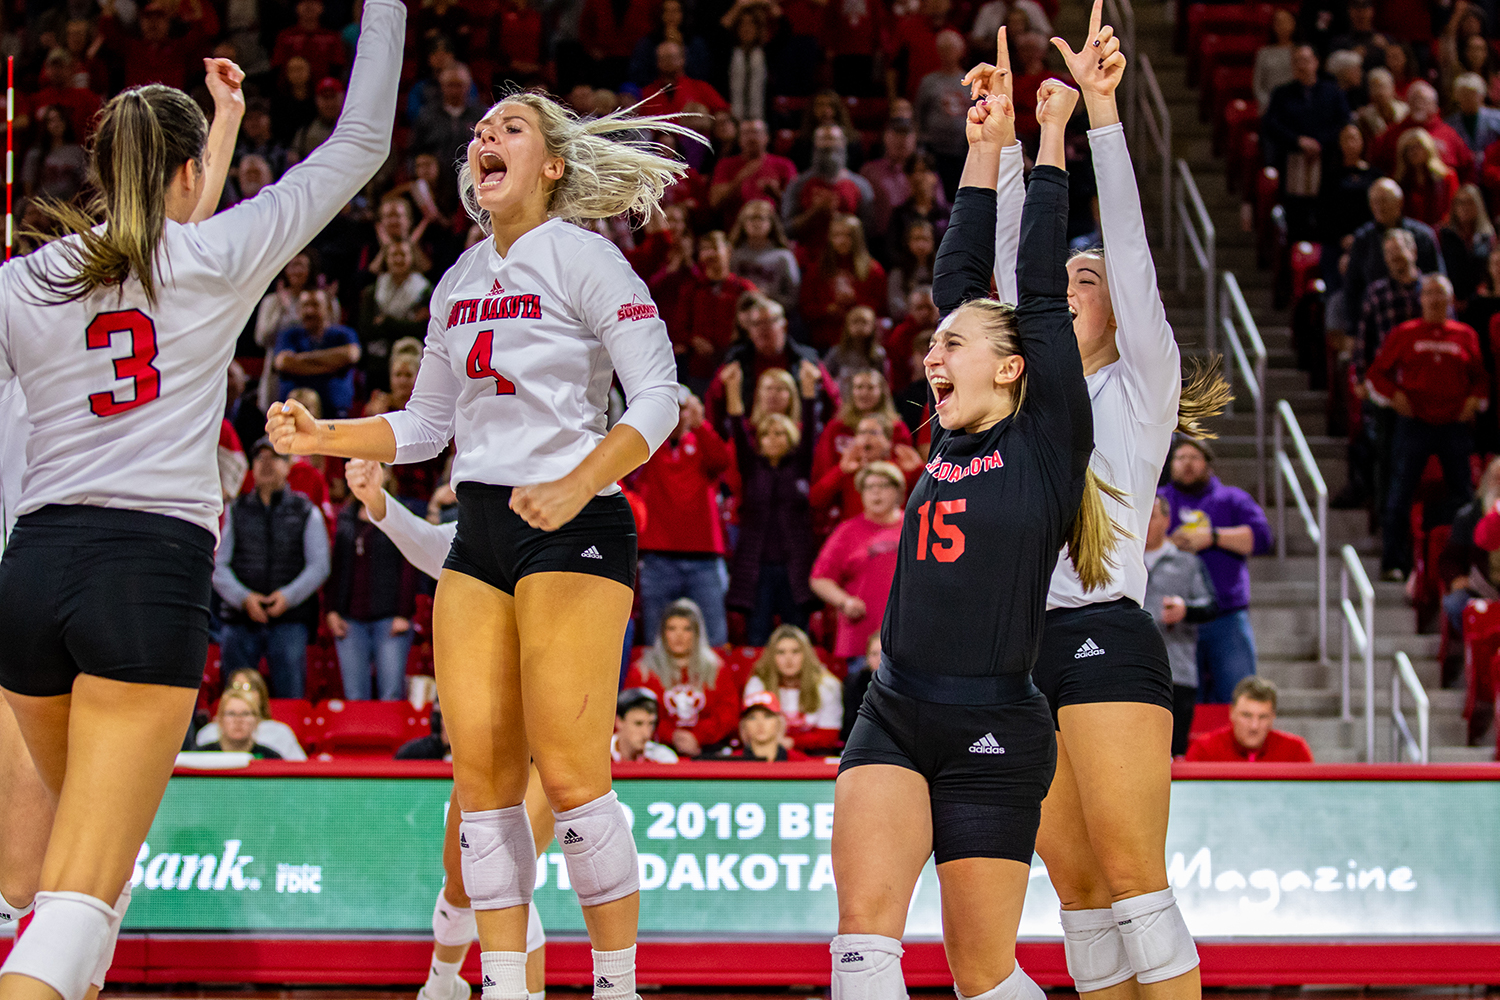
(864, 393)
(1428, 182)
(844, 277)
(699, 701)
(811, 698)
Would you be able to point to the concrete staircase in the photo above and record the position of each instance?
(1284, 603)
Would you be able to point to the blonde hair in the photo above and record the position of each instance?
(702, 667)
(848, 413)
(1205, 392)
(888, 471)
(144, 136)
(791, 430)
(813, 671)
(859, 253)
(1432, 161)
(1470, 193)
(602, 176)
(407, 351)
(758, 406)
(254, 683)
(242, 696)
(310, 400)
(1093, 535)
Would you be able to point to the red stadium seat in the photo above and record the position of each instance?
(298, 714)
(740, 662)
(1481, 644)
(787, 110)
(1228, 83)
(367, 729)
(1217, 50)
(868, 112)
(1241, 118)
(1307, 258)
(782, 144)
(323, 678)
(1250, 162)
(213, 667)
(1221, 19)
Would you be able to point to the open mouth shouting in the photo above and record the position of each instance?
(491, 170)
(942, 389)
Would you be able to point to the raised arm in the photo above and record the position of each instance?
(982, 81)
(223, 80)
(966, 256)
(425, 545)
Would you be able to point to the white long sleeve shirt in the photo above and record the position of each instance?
(1135, 398)
(520, 353)
(424, 544)
(14, 426)
(125, 397)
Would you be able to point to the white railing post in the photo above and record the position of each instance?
(1152, 107)
(1197, 228)
(1250, 356)
(1405, 676)
(1361, 625)
(1314, 521)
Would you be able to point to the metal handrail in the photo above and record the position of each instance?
(1202, 239)
(1234, 320)
(1315, 523)
(1121, 14)
(1158, 121)
(1361, 625)
(1404, 675)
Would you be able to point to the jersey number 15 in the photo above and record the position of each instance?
(135, 366)
(950, 536)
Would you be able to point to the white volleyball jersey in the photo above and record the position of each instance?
(520, 353)
(125, 397)
(14, 427)
(1135, 398)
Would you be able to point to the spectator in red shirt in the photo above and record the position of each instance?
(765, 346)
(151, 54)
(609, 38)
(762, 732)
(83, 44)
(673, 89)
(826, 189)
(682, 546)
(908, 339)
(1431, 373)
(835, 496)
(321, 47)
(887, 174)
(1249, 735)
(811, 698)
(852, 32)
(845, 276)
(706, 303)
(751, 173)
(1429, 183)
(863, 392)
(1423, 101)
(78, 103)
(698, 697)
(853, 572)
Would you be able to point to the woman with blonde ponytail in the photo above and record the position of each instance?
(952, 751)
(120, 335)
(1103, 665)
(528, 328)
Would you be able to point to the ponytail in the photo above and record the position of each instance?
(1205, 394)
(144, 136)
(1094, 535)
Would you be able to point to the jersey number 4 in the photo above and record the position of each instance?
(136, 366)
(950, 535)
(479, 363)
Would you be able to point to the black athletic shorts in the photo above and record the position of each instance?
(1103, 652)
(496, 546)
(121, 594)
(988, 766)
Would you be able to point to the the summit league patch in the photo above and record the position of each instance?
(636, 310)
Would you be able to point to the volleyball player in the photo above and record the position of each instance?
(1103, 666)
(120, 337)
(533, 599)
(952, 751)
(425, 545)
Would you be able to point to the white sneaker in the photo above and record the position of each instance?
(460, 992)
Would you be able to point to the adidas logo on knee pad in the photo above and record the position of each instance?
(851, 956)
(571, 838)
(463, 841)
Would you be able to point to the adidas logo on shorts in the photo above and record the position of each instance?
(986, 744)
(571, 838)
(603, 984)
(851, 956)
(1089, 648)
(592, 552)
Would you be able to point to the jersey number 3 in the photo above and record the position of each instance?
(950, 535)
(136, 366)
(479, 363)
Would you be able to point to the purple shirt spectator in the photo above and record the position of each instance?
(1225, 507)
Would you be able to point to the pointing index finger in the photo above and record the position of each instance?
(1002, 51)
(1096, 17)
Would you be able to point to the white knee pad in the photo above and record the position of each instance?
(107, 956)
(1095, 950)
(453, 926)
(867, 967)
(1016, 986)
(599, 850)
(63, 944)
(535, 936)
(1156, 937)
(498, 857)
(10, 911)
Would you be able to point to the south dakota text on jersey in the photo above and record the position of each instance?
(947, 471)
(488, 308)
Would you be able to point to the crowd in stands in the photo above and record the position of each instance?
(792, 266)
(1379, 123)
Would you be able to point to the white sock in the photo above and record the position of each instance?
(504, 975)
(614, 974)
(442, 977)
(538, 995)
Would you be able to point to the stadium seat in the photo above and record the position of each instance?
(1481, 644)
(1307, 260)
(1222, 19)
(782, 144)
(1240, 119)
(298, 714)
(1251, 163)
(323, 678)
(740, 662)
(367, 729)
(868, 113)
(213, 667)
(787, 111)
(1217, 50)
(1225, 84)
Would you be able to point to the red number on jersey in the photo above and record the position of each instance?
(479, 364)
(950, 534)
(135, 366)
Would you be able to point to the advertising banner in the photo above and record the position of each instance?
(728, 858)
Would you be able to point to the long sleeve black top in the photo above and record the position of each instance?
(986, 521)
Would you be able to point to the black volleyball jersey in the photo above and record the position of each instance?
(985, 522)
